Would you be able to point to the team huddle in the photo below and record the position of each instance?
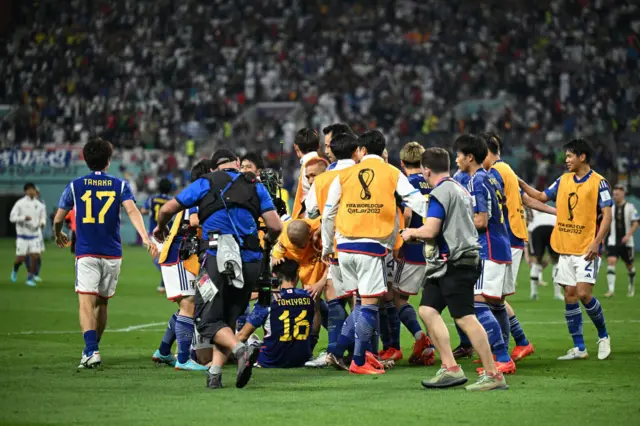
(362, 237)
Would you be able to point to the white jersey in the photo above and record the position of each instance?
(622, 218)
(541, 219)
(35, 211)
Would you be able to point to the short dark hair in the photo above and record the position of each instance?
(97, 154)
(495, 136)
(436, 159)
(200, 169)
(579, 146)
(343, 145)
(492, 143)
(222, 156)
(620, 187)
(29, 185)
(337, 128)
(471, 145)
(307, 140)
(165, 186)
(254, 158)
(287, 270)
(373, 140)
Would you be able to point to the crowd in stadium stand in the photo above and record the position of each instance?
(154, 73)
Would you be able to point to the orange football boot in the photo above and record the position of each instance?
(366, 368)
(521, 352)
(418, 349)
(392, 354)
(373, 361)
(503, 367)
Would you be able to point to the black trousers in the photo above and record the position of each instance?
(228, 303)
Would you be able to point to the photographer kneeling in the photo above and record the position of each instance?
(229, 205)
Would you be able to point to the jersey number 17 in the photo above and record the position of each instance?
(107, 196)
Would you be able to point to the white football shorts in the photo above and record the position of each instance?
(178, 282)
(364, 273)
(25, 246)
(496, 280)
(516, 259)
(97, 276)
(335, 275)
(574, 269)
(408, 278)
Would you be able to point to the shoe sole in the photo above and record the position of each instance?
(159, 361)
(244, 377)
(452, 383)
(500, 388)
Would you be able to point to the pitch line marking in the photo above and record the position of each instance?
(144, 328)
(131, 328)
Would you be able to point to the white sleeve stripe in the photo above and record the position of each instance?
(73, 193)
(122, 188)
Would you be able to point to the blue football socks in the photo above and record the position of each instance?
(337, 315)
(594, 310)
(500, 312)
(365, 326)
(169, 336)
(573, 315)
(184, 336)
(408, 317)
(394, 324)
(517, 332)
(494, 333)
(90, 342)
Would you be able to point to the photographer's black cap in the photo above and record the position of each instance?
(221, 156)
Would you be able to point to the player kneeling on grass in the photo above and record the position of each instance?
(287, 322)
(453, 266)
(97, 198)
(178, 277)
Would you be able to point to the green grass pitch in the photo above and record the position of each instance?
(40, 346)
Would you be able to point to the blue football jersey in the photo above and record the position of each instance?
(97, 198)
(413, 253)
(287, 325)
(154, 204)
(462, 178)
(486, 194)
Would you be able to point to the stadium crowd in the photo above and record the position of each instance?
(151, 74)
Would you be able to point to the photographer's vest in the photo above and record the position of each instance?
(368, 204)
(180, 225)
(228, 191)
(577, 214)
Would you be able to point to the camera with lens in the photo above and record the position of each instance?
(272, 180)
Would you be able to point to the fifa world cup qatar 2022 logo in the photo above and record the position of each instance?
(572, 202)
(366, 177)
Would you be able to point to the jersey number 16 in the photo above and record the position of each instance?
(298, 323)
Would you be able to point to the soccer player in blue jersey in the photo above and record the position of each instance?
(97, 198)
(287, 322)
(152, 207)
(179, 276)
(495, 282)
(410, 270)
